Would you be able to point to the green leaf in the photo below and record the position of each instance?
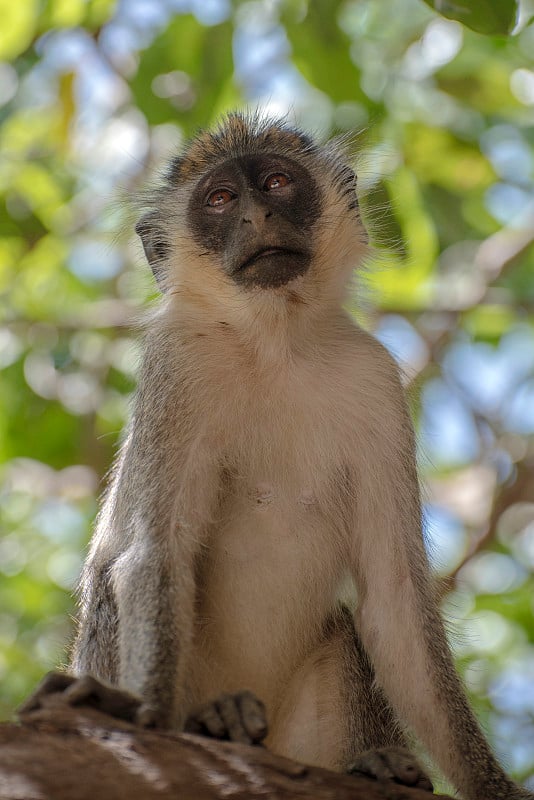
(331, 69)
(198, 56)
(492, 17)
(19, 23)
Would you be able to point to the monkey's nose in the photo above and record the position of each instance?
(257, 219)
(256, 214)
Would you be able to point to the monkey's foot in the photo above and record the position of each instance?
(391, 763)
(238, 717)
(62, 688)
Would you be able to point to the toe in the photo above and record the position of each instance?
(392, 763)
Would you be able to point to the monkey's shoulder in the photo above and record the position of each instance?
(363, 362)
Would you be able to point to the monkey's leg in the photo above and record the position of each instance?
(333, 715)
(399, 621)
(94, 654)
(95, 651)
(138, 585)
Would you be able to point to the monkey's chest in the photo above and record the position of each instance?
(265, 500)
(268, 535)
(268, 579)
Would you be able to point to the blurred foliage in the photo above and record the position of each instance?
(94, 95)
(484, 16)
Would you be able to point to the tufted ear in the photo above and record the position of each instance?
(155, 245)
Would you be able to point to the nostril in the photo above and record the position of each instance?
(268, 213)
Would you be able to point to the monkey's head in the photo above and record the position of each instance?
(255, 205)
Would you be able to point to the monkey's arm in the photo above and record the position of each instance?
(398, 617)
(138, 587)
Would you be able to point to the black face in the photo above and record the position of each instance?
(257, 213)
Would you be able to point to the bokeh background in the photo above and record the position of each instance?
(439, 111)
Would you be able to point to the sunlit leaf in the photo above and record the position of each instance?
(18, 26)
(489, 322)
(407, 285)
(66, 13)
(99, 11)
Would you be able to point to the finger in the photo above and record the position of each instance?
(253, 719)
(210, 720)
(230, 715)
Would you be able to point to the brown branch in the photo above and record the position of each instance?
(81, 754)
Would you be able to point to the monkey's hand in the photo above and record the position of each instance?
(60, 688)
(391, 763)
(237, 717)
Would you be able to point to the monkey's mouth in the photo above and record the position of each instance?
(268, 252)
(271, 267)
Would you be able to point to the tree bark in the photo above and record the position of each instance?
(64, 753)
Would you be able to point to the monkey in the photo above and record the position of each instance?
(259, 555)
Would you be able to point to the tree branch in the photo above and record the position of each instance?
(62, 753)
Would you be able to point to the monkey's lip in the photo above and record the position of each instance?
(269, 251)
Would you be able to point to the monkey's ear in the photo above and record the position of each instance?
(155, 245)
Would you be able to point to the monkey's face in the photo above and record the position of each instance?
(256, 213)
(255, 204)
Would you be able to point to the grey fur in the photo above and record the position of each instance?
(270, 456)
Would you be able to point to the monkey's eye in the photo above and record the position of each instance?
(220, 197)
(276, 181)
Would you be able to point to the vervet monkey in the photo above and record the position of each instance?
(270, 461)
